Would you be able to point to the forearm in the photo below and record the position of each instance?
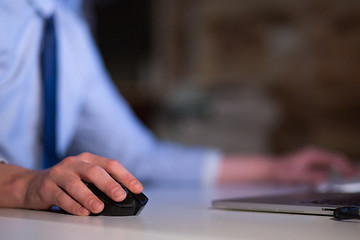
(245, 169)
(13, 185)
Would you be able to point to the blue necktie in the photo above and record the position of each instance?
(49, 75)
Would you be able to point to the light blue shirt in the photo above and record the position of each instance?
(92, 115)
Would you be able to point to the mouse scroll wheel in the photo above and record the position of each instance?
(125, 189)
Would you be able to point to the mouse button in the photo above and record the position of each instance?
(125, 189)
(101, 195)
(113, 210)
(139, 210)
(129, 201)
(140, 198)
(95, 190)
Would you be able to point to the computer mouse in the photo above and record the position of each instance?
(132, 205)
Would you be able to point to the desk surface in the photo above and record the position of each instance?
(177, 214)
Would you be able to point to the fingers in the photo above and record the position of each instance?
(43, 192)
(330, 161)
(117, 171)
(122, 175)
(100, 177)
(315, 176)
(315, 166)
(344, 165)
(80, 194)
(64, 201)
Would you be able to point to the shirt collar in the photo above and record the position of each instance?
(44, 8)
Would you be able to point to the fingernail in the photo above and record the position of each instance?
(83, 211)
(119, 194)
(96, 205)
(137, 185)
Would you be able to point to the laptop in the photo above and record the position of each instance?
(320, 202)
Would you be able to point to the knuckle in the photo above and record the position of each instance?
(112, 164)
(86, 155)
(70, 185)
(54, 172)
(69, 160)
(94, 170)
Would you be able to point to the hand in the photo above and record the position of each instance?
(312, 166)
(61, 185)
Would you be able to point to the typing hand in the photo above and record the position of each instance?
(312, 166)
(309, 166)
(62, 184)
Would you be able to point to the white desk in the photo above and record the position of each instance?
(180, 214)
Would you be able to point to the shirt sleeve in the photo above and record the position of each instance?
(108, 127)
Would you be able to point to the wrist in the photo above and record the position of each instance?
(247, 169)
(14, 181)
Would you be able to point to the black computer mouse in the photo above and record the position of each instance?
(132, 205)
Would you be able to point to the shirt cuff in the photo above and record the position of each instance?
(211, 169)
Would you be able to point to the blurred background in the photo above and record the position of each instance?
(255, 76)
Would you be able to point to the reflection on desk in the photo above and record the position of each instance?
(178, 214)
